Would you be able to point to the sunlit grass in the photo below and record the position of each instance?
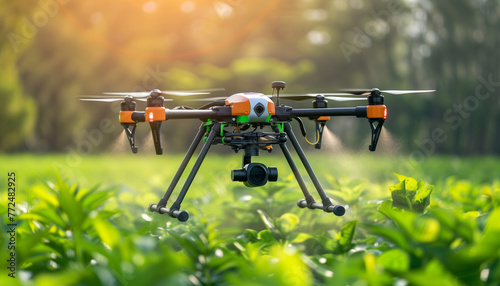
(84, 219)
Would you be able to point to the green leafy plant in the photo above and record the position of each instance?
(410, 194)
(69, 234)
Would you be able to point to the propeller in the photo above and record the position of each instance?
(367, 91)
(299, 97)
(296, 97)
(349, 93)
(166, 92)
(142, 95)
(102, 99)
(113, 99)
(208, 98)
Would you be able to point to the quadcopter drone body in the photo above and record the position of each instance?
(227, 121)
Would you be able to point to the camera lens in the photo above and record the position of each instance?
(272, 174)
(257, 174)
(239, 175)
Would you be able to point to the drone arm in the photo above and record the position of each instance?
(376, 114)
(140, 116)
(358, 111)
(191, 114)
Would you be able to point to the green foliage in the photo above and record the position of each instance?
(410, 194)
(18, 111)
(103, 235)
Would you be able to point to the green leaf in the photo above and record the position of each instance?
(434, 272)
(70, 205)
(392, 234)
(288, 222)
(402, 218)
(400, 177)
(347, 235)
(394, 260)
(299, 237)
(93, 200)
(107, 232)
(410, 195)
(47, 195)
(490, 240)
(267, 221)
(250, 235)
(266, 236)
(426, 229)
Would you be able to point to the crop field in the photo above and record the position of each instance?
(83, 220)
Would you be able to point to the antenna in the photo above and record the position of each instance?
(278, 85)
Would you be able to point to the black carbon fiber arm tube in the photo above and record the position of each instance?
(359, 111)
(186, 114)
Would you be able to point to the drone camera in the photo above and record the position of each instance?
(255, 174)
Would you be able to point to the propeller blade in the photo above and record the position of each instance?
(407, 91)
(183, 93)
(340, 94)
(168, 92)
(134, 94)
(355, 91)
(395, 92)
(306, 96)
(207, 98)
(336, 98)
(145, 99)
(192, 92)
(102, 99)
(102, 96)
(296, 97)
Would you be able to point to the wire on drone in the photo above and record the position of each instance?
(317, 138)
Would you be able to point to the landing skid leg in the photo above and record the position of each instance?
(327, 204)
(174, 210)
(163, 202)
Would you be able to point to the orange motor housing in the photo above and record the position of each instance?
(376, 111)
(126, 116)
(155, 114)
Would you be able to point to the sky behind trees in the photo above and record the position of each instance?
(52, 51)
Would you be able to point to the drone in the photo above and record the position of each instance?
(249, 122)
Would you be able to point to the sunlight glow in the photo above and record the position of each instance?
(149, 7)
(223, 9)
(188, 7)
(316, 37)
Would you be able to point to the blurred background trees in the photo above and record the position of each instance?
(52, 51)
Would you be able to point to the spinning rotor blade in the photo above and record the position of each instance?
(192, 92)
(208, 98)
(101, 96)
(116, 99)
(134, 94)
(295, 97)
(368, 91)
(168, 92)
(145, 99)
(407, 91)
(102, 99)
(336, 98)
(299, 97)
